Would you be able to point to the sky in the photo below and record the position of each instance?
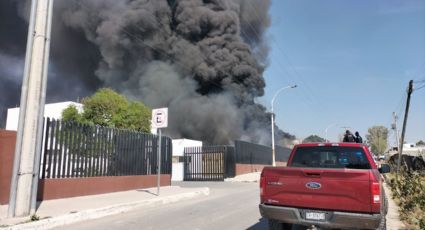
(352, 61)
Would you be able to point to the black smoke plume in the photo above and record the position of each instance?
(203, 59)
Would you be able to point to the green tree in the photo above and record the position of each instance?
(313, 138)
(71, 114)
(108, 108)
(137, 117)
(377, 139)
(421, 142)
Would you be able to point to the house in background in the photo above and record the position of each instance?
(52, 110)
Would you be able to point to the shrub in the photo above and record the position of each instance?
(409, 190)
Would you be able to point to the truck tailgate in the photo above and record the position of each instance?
(326, 189)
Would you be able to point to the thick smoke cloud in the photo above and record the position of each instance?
(202, 59)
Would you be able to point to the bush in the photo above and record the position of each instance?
(409, 190)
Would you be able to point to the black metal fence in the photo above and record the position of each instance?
(249, 153)
(215, 163)
(76, 150)
(207, 163)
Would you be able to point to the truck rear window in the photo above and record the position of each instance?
(330, 157)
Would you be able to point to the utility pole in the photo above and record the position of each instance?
(25, 173)
(396, 130)
(403, 132)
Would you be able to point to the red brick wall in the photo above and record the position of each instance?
(70, 187)
(7, 151)
(249, 168)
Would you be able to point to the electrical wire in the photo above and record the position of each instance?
(420, 87)
(419, 81)
(420, 72)
(202, 54)
(245, 36)
(293, 75)
(141, 41)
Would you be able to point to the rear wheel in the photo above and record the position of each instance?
(276, 225)
(418, 163)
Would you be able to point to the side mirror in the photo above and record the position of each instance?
(385, 168)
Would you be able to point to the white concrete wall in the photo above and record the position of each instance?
(178, 150)
(180, 144)
(177, 170)
(53, 110)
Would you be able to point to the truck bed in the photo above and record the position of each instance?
(340, 189)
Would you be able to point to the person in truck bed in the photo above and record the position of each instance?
(348, 137)
(358, 138)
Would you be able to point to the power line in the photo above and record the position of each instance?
(398, 109)
(419, 87)
(202, 54)
(141, 41)
(296, 74)
(418, 71)
(419, 81)
(285, 54)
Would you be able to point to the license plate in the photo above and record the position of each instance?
(315, 215)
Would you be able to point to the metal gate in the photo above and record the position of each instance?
(206, 163)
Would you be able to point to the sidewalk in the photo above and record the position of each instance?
(55, 213)
(393, 216)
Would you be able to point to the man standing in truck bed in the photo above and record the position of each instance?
(348, 137)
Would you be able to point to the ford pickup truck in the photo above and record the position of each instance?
(327, 186)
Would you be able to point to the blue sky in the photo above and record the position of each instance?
(352, 61)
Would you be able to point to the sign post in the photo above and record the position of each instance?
(159, 120)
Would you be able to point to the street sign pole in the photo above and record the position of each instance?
(159, 163)
(159, 120)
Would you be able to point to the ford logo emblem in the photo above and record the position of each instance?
(313, 185)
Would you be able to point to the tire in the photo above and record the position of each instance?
(418, 164)
(276, 225)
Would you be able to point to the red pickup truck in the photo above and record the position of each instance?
(325, 185)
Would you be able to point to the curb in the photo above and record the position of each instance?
(106, 211)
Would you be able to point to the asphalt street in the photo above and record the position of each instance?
(229, 206)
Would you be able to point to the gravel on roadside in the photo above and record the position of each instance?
(249, 177)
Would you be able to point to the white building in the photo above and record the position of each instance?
(178, 150)
(53, 110)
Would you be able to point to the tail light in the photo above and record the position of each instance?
(262, 185)
(376, 192)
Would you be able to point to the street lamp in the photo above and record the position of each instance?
(345, 130)
(272, 117)
(326, 131)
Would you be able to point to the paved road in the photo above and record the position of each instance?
(229, 206)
